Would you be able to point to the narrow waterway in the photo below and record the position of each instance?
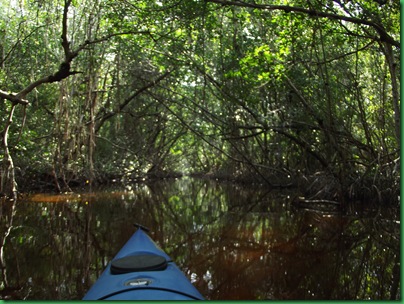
(233, 242)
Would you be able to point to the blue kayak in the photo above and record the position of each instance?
(142, 271)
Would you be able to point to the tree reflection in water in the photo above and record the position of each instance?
(233, 242)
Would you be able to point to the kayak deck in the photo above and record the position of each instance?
(142, 271)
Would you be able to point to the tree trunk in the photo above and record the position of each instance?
(8, 185)
(388, 53)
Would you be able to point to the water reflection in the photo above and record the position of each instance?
(232, 242)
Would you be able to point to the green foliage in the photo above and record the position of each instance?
(194, 86)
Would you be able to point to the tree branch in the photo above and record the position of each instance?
(14, 98)
(62, 73)
(304, 145)
(65, 41)
(65, 67)
(107, 116)
(383, 35)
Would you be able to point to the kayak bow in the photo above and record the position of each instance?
(142, 271)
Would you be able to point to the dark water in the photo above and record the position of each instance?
(232, 242)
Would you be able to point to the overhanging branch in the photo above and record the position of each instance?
(383, 35)
(64, 70)
(103, 118)
(14, 98)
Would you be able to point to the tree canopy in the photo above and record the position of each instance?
(282, 93)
